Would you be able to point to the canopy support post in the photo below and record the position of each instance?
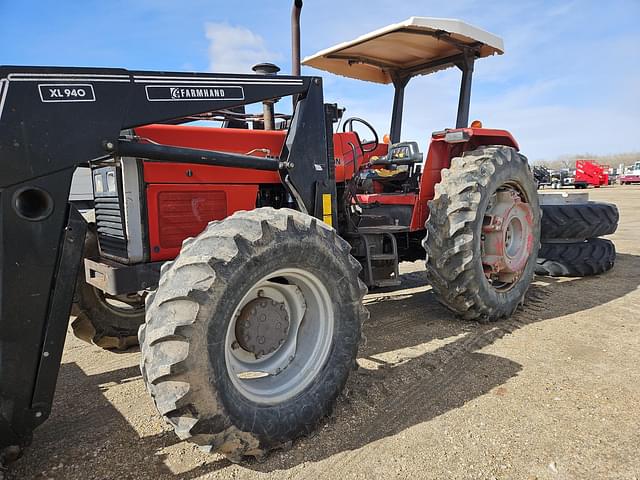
(398, 102)
(466, 65)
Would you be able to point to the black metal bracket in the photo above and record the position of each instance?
(58, 317)
(308, 151)
(116, 279)
(167, 153)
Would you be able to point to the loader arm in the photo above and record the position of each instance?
(55, 119)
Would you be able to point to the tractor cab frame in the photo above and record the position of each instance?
(53, 120)
(392, 197)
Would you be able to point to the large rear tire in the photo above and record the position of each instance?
(253, 331)
(483, 233)
(110, 322)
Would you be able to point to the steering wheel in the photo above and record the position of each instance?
(347, 126)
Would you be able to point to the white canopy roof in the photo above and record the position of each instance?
(416, 46)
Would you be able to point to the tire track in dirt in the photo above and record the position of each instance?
(432, 383)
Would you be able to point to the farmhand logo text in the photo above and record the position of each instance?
(181, 93)
(204, 93)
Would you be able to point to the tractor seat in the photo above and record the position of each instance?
(389, 178)
(404, 153)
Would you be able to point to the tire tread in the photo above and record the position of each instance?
(449, 242)
(579, 221)
(581, 259)
(172, 322)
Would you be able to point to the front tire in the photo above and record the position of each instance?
(110, 322)
(483, 233)
(253, 331)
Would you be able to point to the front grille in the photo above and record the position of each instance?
(186, 214)
(112, 235)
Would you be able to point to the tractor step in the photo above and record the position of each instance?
(377, 251)
(384, 256)
(388, 283)
(382, 229)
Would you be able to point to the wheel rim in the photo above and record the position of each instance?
(279, 336)
(507, 236)
(122, 305)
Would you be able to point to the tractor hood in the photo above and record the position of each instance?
(417, 46)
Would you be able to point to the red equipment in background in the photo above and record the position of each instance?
(592, 173)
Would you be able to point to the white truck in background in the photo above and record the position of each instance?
(631, 175)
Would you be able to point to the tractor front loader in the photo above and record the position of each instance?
(242, 254)
(55, 119)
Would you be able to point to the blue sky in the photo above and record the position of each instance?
(569, 81)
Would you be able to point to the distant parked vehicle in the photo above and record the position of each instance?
(562, 178)
(591, 173)
(631, 176)
(542, 175)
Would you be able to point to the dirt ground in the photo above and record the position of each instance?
(553, 393)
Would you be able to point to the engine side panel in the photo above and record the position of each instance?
(177, 212)
(182, 198)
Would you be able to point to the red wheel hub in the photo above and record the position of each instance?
(507, 234)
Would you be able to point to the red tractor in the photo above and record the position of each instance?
(243, 253)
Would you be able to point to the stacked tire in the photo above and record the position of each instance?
(570, 235)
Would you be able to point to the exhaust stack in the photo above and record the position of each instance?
(267, 105)
(295, 37)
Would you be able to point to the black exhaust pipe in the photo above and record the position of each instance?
(295, 43)
(295, 37)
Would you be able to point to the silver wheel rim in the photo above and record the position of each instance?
(273, 377)
(122, 305)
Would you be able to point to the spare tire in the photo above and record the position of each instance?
(581, 259)
(578, 221)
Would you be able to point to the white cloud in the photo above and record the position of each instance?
(236, 49)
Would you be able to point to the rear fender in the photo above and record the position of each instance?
(441, 151)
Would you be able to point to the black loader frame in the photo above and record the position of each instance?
(53, 120)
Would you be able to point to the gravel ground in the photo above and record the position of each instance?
(553, 393)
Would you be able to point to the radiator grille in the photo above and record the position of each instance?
(186, 214)
(110, 223)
